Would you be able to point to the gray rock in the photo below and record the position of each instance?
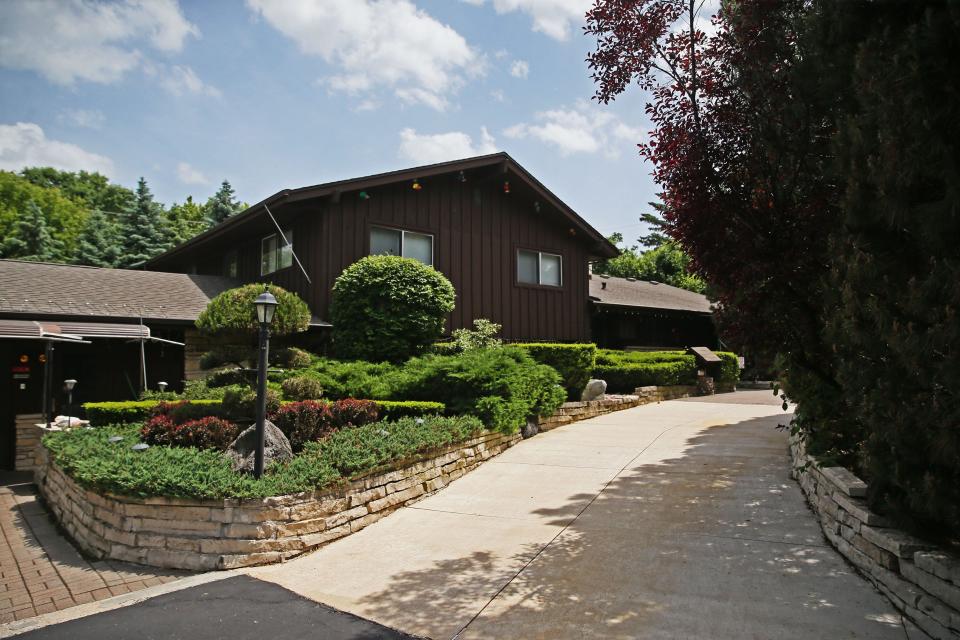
(242, 451)
(594, 390)
(530, 429)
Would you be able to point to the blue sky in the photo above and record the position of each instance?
(273, 94)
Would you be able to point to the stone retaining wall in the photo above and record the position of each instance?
(576, 411)
(225, 534)
(28, 435)
(659, 394)
(922, 581)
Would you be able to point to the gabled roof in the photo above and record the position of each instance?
(39, 289)
(603, 247)
(627, 292)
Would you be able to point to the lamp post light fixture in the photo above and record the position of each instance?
(265, 305)
(69, 385)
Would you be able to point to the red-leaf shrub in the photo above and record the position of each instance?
(352, 413)
(205, 433)
(303, 422)
(309, 420)
(180, 412)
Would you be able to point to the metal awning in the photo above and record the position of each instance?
(33, 330)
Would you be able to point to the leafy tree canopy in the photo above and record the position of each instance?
(233, 312)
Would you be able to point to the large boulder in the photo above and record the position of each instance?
(276, 448)
(594, 390)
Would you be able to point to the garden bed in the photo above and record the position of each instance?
(225, 533)
(922, 581)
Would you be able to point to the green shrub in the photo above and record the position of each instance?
(231, 377)
(396, 409)
(240, 403)
(355, 379)
(445, 348)
(482, 336)
(291, 358)
(183, 410)
(624, 378)
(94, 462)
(199, 390)
(301, 388)
(104, 413)
(353, 451)
(388, 308)
(615, 357)
(232, 312)
(503, 387)
(574, 363)
(729, 373)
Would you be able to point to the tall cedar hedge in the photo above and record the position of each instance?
(388, 308)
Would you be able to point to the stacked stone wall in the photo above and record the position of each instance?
(28, 434)
(921, 580)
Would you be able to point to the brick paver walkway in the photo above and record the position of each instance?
(41, 572)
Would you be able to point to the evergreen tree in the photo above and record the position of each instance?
(32, 240)
(99, 244)
(142, 228)
(658, 227)
(222, 204)
(183, 221)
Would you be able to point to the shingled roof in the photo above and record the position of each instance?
(627, 292)
(43, 289)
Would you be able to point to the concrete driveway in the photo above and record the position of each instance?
(674, 520)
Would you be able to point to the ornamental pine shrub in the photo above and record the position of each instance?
(240, 403)
(232, 312)
(388, 308)
(574, 362)
(354, 379)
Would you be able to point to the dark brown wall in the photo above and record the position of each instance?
(477, 230)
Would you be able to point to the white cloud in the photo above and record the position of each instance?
(498, 95)
(24, 144)
(554, 18)
(70, 40)
(84, 118)
(180, 80)
(580, 129)
(440, 147)
(378, 44)
(520, 69)
(189, 175)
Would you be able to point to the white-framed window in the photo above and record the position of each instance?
(275, 254)
(540, 268)
(398, 242)
(231, 263)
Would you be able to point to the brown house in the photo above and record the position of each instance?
(515, 253)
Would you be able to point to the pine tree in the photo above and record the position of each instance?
(99, 244)
(222, 204)
(32, 239)
(142, 228)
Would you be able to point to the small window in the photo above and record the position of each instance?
(537, 267)
(231, 264)
(275, 254)
(396, 242)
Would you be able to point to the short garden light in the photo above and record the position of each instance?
(266, 305)
(163, 386)
(69, 385)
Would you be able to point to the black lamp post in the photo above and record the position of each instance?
(265, 304)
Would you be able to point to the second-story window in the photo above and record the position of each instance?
(397, 242)
(275, 254)
(540, 268)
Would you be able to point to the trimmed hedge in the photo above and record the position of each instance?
(396, 409)
(574, 362)
(104, 413)
(729, 368)
(624, 378)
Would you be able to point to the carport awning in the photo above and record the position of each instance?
(72, 331)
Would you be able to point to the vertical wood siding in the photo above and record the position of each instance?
(477, 231)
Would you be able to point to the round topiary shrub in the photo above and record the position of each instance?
(232, 312)
(388, 308)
